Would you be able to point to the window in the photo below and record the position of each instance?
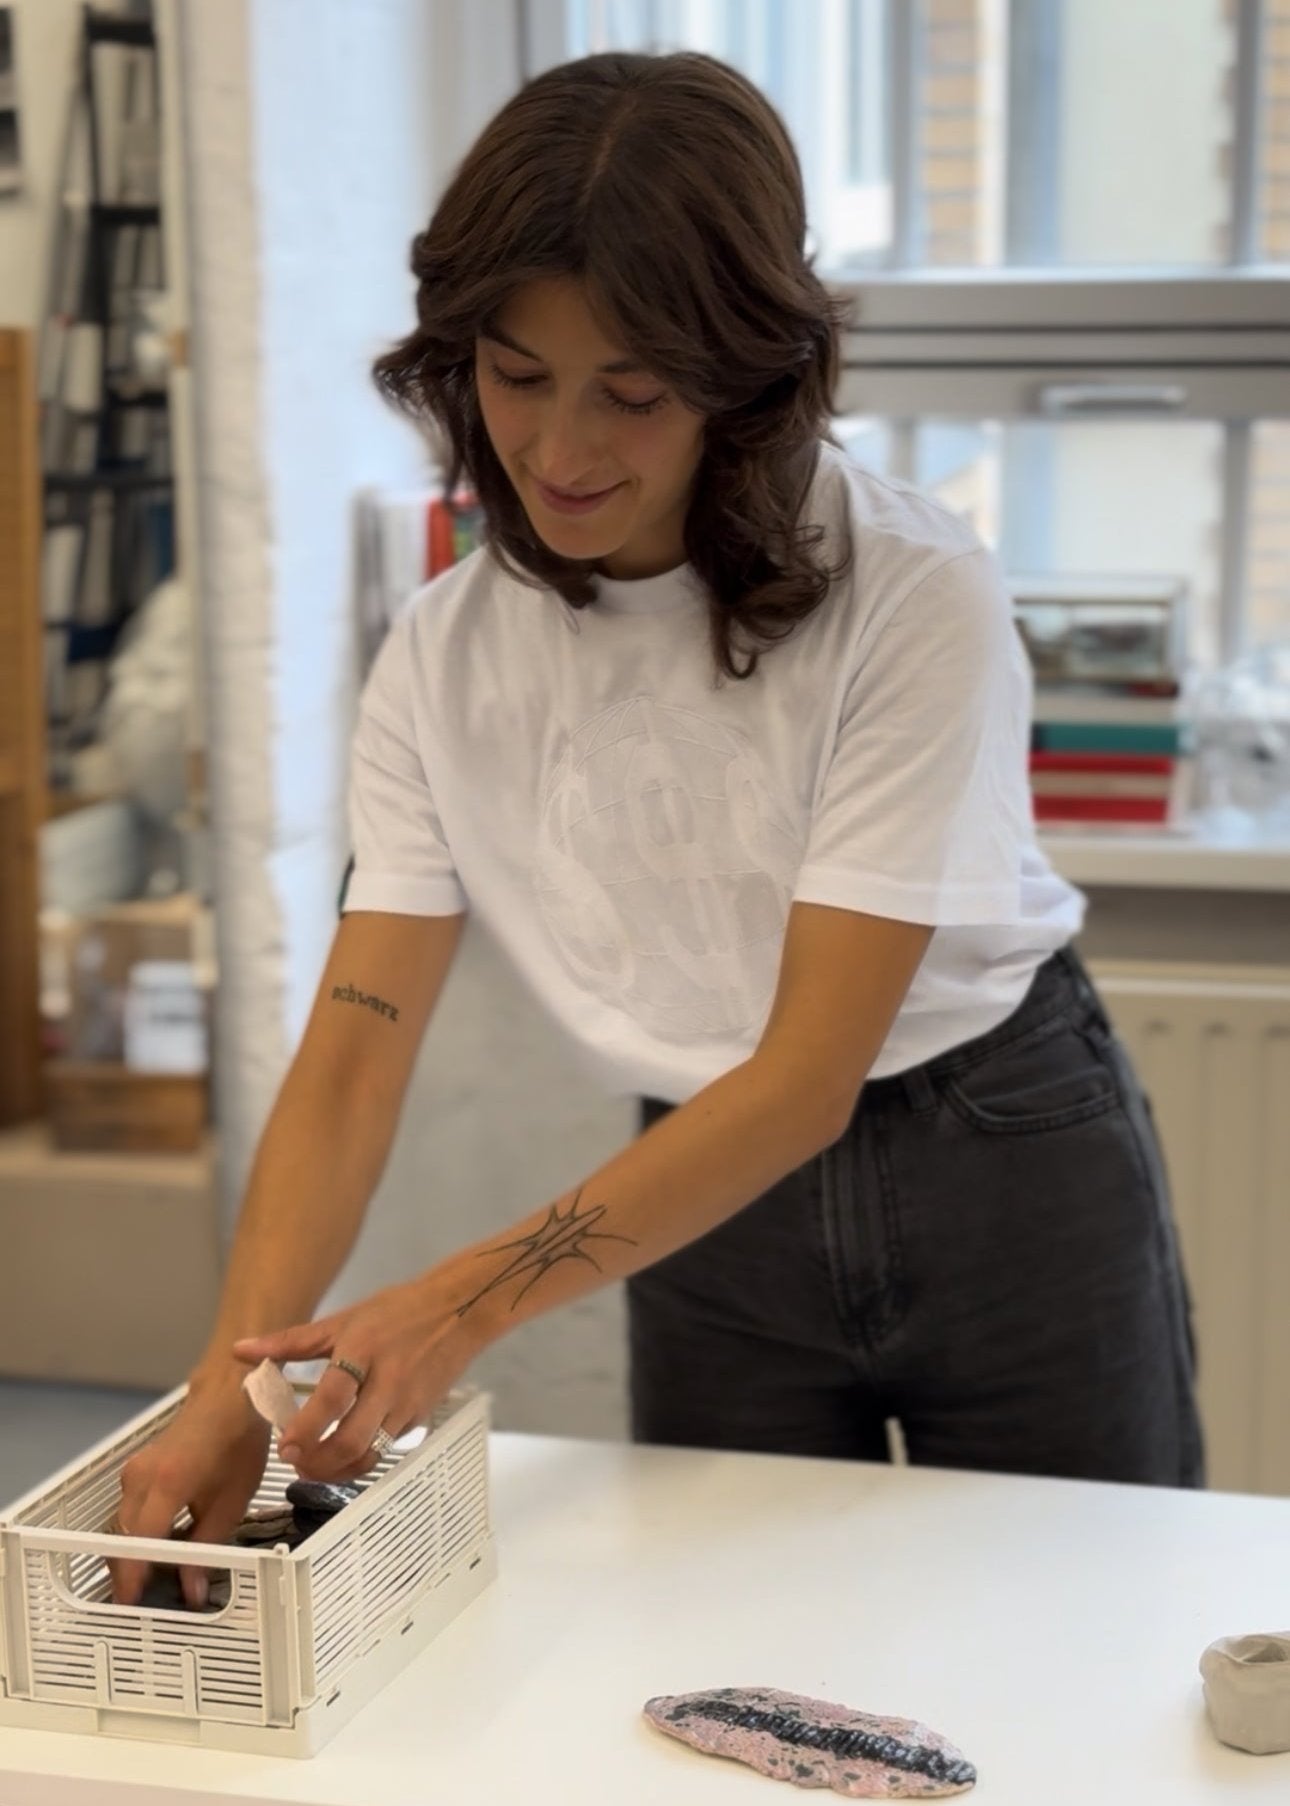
(1065, 229)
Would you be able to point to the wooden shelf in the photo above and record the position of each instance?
(107, 479)
(126, 213)
(111, 28)
(22, 730)
(1196, 861)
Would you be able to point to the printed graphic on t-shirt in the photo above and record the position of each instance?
(664, 868)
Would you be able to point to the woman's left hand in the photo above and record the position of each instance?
(410, 1345)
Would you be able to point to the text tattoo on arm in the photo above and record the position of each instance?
(347, 994)
(563, 1236)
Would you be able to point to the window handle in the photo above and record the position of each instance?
(1112, 398)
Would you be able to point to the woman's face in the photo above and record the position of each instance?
(602, 454)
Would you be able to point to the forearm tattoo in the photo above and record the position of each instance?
(347, 994)
(561, 1237)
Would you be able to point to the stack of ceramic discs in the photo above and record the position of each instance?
(309, 1505)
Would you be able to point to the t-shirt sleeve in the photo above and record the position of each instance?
(923, 811)
(401, 860)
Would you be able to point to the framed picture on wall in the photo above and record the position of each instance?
(10, 140)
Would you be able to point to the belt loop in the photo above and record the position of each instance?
(920, 1093)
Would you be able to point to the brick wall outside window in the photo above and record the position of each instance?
(952, 199)
(1269, 567)
(950, 173)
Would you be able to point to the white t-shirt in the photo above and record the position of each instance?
(633, 829)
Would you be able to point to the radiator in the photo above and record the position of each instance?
(1212, 1045)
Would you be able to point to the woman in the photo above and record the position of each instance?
(725, 738)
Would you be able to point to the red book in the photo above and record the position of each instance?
(1102, 808)
(1136, 764)
(440, 552)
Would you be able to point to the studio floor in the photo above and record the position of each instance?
(44, 1426)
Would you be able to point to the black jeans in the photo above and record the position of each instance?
(987, 1255)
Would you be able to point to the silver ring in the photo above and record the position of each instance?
(356, 1373)
(382, 1443)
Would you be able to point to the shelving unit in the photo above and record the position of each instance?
(10, 122)
(22, 739)
(1195, 861)
(105, 426)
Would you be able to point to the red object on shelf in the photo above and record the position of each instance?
(1102, 808)
(1142, 764)
(439, 547)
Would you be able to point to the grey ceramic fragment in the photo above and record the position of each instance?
(1247, 1691)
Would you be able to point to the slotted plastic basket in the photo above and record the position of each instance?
(308, 1636)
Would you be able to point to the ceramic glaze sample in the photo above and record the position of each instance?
(272, 1394)
(813, 1743)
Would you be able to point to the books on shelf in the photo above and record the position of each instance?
(406, 537)
(1110, 773)
(127, 124)
(456, 527)
(1109, 737)
(1110, 734)
(1122, 789)
(60, 571)
(1101, 775)
(104, 415)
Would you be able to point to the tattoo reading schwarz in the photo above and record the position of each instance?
(347, 994)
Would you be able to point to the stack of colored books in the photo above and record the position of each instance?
(1110, 743)
(1105, 754)
(455, 528)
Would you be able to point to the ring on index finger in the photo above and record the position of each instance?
(356, 1373)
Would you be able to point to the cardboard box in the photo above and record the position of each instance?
(110, 1269)
(103, 948)
(100, 1106)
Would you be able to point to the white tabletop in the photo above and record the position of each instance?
(1050, 1628)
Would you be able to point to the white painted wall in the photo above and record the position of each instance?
(46, 36)
(308, 170)
(500, 1120)
(317, 133)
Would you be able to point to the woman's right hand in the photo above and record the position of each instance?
(210, 1458)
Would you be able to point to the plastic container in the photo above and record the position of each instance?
(307, 1638)
(165, 1019)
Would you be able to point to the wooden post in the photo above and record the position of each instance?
(22, 730)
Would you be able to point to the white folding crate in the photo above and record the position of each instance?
(308, 1636)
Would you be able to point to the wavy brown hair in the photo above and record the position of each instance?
(670, 188)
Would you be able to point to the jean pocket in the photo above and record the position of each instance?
(1058, 1075)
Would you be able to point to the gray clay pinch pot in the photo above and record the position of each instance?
(1247, 1691)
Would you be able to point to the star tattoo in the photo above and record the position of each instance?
(563, 1236)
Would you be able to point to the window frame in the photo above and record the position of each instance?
(1037, 340)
